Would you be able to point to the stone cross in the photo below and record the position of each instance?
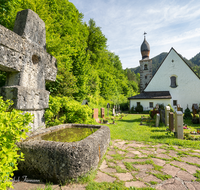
(23, 56)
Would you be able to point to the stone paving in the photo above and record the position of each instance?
(143, 165)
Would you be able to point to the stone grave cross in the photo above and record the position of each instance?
(23, 56)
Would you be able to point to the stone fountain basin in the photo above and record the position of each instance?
(59, 161)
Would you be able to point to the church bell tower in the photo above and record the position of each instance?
(145, 65)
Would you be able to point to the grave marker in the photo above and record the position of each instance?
(95, 114)
(113, 112)
(23, 56)
(171, 121)
(179, 124)
(108, 107)
(167, 110)
(157, 119)
(102, 112)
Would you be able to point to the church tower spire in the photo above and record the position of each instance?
(145, 48)
(145, 65)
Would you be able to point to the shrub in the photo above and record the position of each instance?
(187, 114)
(13, 128)
(67, 110)
(132, 109)
(139, 108)
(161, 106)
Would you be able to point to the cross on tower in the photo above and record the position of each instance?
(23, 56)
(145, 34)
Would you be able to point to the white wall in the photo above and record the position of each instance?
(145, 102)
(188, 90)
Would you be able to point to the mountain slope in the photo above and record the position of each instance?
(157, 60)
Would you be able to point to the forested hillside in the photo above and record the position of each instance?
(86, 68)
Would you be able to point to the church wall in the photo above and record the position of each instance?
(187, 91)
(145, 102)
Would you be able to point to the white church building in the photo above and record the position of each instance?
(173, 83)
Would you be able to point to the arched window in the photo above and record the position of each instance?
(145, 77)
(145, 67)
(173, 82)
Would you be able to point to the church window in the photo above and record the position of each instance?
(145, 77)
(173, 82)
(138, 104)
(145, 67)
(174, 102)
(151, 104)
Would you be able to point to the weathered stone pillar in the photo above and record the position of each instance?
(167, 110)
(179, 124)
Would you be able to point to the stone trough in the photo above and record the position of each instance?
(60, 161)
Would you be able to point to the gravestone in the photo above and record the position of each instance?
(179, 124)
(167, 110)
(162, 116)
(95, 114)
(171, 121)
(157, 119)
(195, 109)
(102, 113)
(157, 106)
(113, 112)
(108, 107)
(23, 56)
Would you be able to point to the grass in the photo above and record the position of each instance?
(162, 176)
(47, 187)
(197, 175)
(129, 128)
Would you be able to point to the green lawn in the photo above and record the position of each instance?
(129, 128)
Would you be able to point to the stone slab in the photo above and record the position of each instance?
(102, 177)
(109, 170)
(103, 165)
(191, 159)
(170, 170)
(124, 176)
(138, 184)
(193, 185)
(190, 168)
(171, 184)
(163, 156)
(144, 167)
(151, 178)
(121, 164)
(185, 176)
(158, 162)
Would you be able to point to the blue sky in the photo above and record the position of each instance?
(168, 23)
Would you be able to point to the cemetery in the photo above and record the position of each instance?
(123, 148)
